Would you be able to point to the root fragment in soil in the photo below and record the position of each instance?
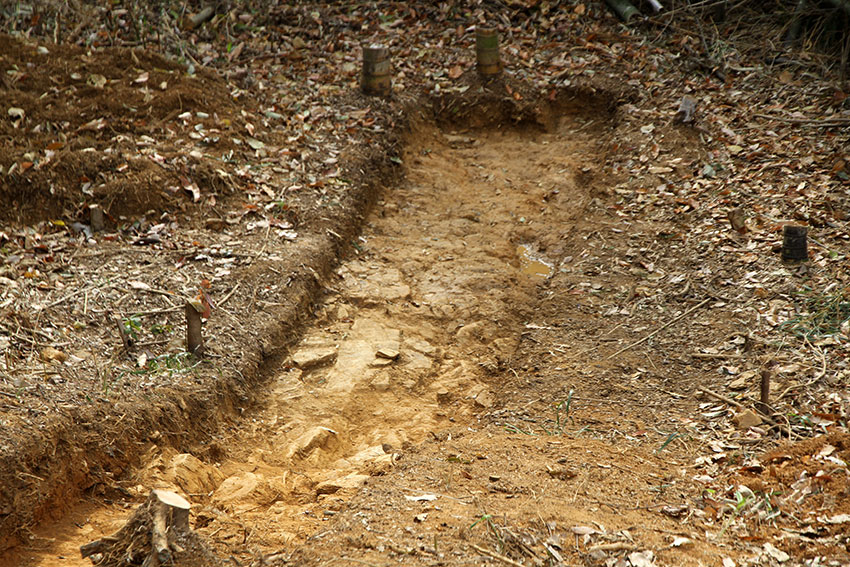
(157, 533)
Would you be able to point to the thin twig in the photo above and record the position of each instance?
(66, 298)
(497, 556)
(740, 406)
(226, 297)
(823, 122)
(661, 328)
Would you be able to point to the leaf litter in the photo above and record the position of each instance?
(251, 156)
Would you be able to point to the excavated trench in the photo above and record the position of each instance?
(415, 331)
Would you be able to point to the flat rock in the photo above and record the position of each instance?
(237, 487)
(421, 345)
(378, 288)
(484, 399)
(351, 481)
(315, 438)
(747, 419)
(389, 351)
(192, 475)
(312, 357)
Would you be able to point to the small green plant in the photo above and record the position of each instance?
(487, 520)
(563, 407)
(820, 313)
(511, 428)
(669, 440)
(132, 326)
(161, 329)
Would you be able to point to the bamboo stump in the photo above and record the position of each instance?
(157, 534)
(489, 62)
(623, 8)
(376, 79)
(794, 243)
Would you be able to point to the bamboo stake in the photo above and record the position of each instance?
(487, 52)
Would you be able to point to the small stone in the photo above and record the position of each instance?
(381, 383)
(387, 352)
(381, 362)
(351, 481)
(494, 478)
(561, 473)
(50, 354)
(444, 396)
(738, 383)
(484, 399)
(747, 419)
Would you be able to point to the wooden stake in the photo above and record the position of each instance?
(376, 79)
(487, 52)
(764, 404)
(96, 218)
(794, 244)
(122, 332)
(194, 331)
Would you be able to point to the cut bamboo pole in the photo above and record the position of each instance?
(375, 78)
(487, 52)
(794, 243)
(623, 8)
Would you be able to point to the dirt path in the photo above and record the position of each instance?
(401, 382)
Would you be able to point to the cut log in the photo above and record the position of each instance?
(375, 78)
(623, 8)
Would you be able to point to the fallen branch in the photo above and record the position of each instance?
(659, 329)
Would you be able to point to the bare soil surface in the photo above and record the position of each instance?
(500, 322)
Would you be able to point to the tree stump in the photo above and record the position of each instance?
(157, 533)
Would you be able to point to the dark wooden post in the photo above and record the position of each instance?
(194, 330)
(376, 78)
(794, 243)
(487, 52)
(96, 218)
